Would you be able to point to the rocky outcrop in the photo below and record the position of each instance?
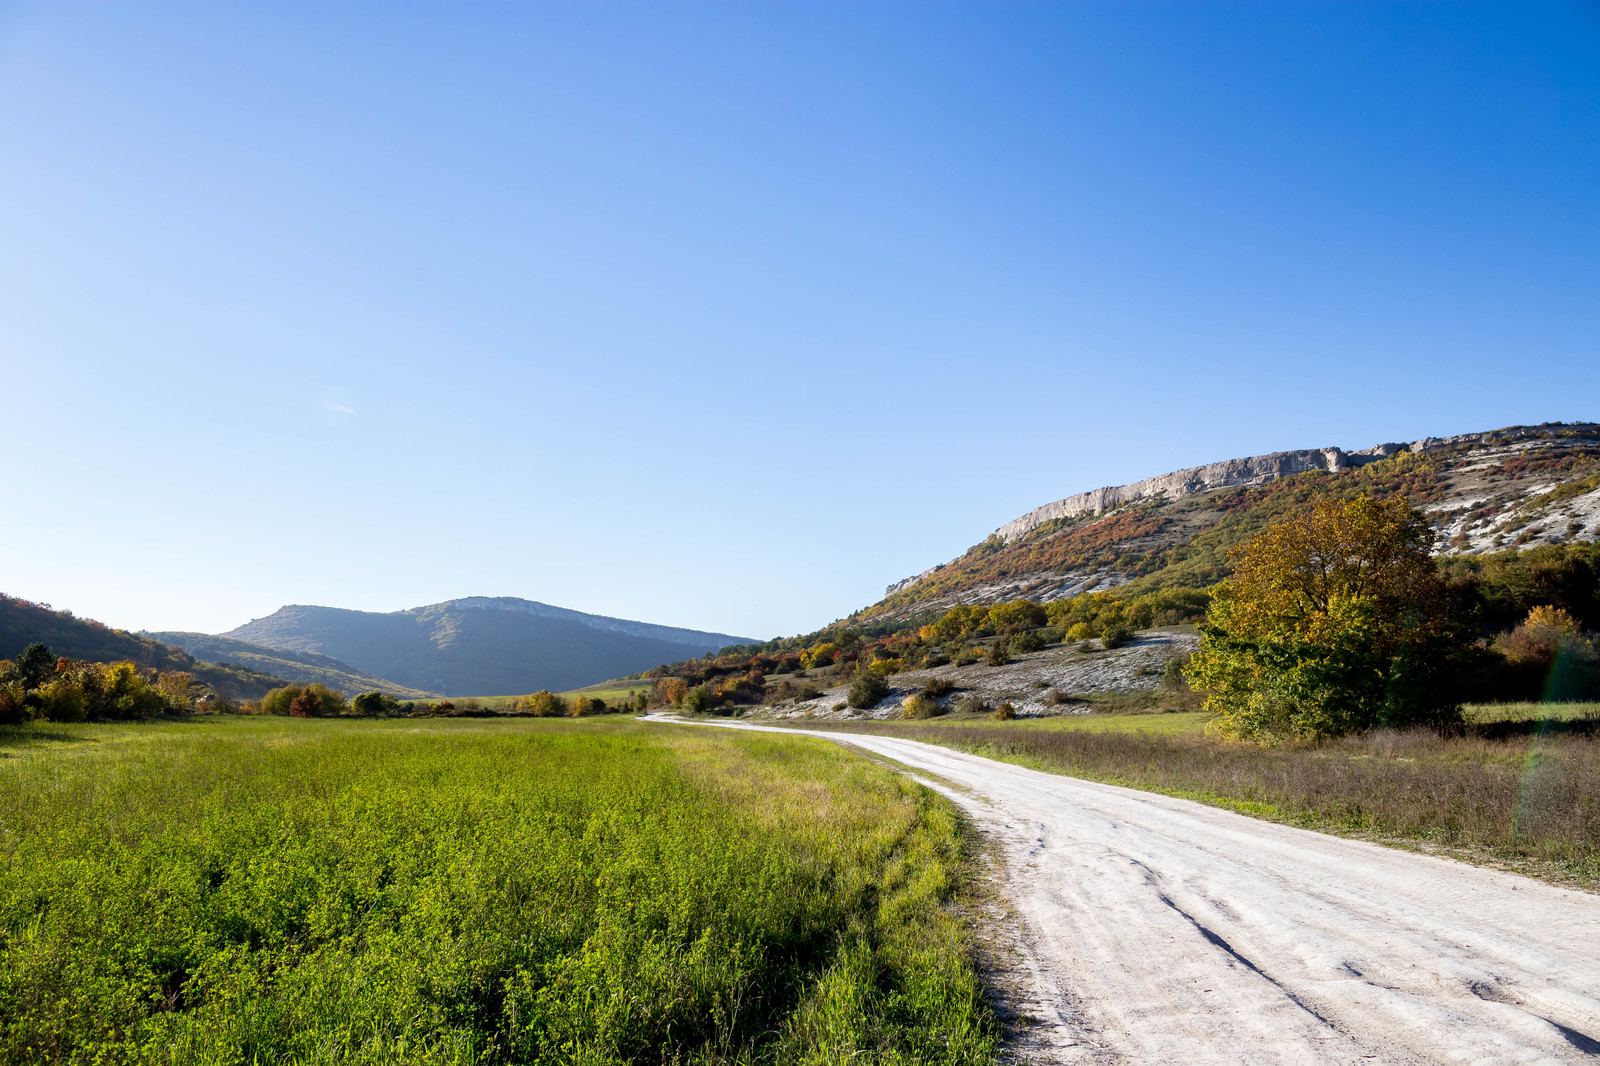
(1180, 483)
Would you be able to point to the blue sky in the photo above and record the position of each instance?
(727, 315)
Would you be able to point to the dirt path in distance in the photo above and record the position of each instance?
(1161, 931)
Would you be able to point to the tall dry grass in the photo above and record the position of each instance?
(1525, 798)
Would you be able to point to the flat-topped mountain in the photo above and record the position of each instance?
(481, 645)
(1517, 487)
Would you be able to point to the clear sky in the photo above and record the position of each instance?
(727, 315)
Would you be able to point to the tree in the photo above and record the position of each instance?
(36, 663)
(546, 704)
(1333, 621)
(374, 705)
(1548, 657)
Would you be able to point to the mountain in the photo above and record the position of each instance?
(23, 622)
(481, 645)
(1518, 487)
(301, 666)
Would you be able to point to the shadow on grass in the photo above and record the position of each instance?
(15, 737)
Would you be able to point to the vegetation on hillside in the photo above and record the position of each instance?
(39, 686)
(267, 890)
(1184, 543)
(23, 622)
(1490, 596)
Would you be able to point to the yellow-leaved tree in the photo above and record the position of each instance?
(1333, 621)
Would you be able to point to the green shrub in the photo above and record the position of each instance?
(937, 688)
(918, 706)
(1115, 636)
(374, 705)
(999, 653)
(697, 700)
(1027, 641)
(867, 690)
(315, 700)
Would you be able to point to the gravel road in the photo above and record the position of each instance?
(1157, 930)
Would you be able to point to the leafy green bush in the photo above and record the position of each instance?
(1115, 636)
(374, 705)
(918, 706)
(867, 690)
(1028, 640)
(315, 700)
(999, 653)
(697, 700)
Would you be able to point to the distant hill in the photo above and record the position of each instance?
(301, 666)
(23, 622)
(484, 646)
(1518, 487)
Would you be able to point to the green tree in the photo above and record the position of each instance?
(1333, 621)
(36, 663)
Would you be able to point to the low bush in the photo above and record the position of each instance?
(1115, 636)
(1005, 712)
(1080, 631)
(919, 706)
(867, 690)
(999, 653)
(1027, 641)
(374, 705)
(974, 704)
(936, 688)
(315, 700)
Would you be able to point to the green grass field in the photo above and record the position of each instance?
(473, 891)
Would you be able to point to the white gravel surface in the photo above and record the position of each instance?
(1157, 930)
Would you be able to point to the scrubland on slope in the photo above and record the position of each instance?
(243, 890)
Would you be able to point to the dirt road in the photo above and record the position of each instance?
(1157, 930)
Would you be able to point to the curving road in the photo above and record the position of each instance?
(1157, 930)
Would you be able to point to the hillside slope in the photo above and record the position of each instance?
(302, 666)
(1521, 486)
(23, 622)
(486, 646)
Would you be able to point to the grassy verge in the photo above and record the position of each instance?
(1530, 802)
(241, 891)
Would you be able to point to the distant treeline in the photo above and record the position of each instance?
(317, 700)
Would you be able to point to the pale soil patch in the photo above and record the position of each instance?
(1026, 682)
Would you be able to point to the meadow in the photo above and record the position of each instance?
(246, 890)
(1524, 792)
